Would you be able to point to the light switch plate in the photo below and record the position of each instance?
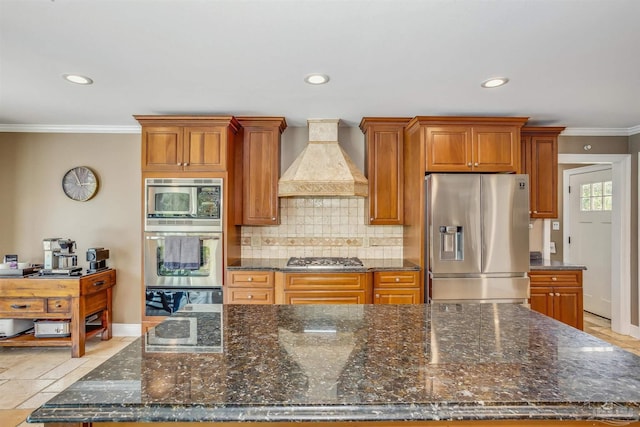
(555, 225)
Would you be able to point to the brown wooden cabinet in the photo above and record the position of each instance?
(326, 288)
(186, 143)
(56, 298)
(383, 159)
(396, 287)
(470, 144)
(558, 294)
(539, 159)
(249, 287)
(261, 169)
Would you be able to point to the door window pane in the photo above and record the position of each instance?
(596, 196)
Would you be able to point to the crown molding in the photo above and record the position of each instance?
(136, 130)
(601, 131)
(69, 128)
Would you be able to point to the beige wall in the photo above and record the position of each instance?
(34, 206)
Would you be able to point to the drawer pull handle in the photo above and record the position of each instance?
(20, 306)
(99, 283)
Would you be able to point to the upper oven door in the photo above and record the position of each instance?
(181, 259)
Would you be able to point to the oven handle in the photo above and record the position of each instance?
(201, 237)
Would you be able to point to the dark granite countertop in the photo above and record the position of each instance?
(279, 264)
(545, 264)
(360, 363)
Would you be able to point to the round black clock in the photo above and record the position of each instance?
(80, 183)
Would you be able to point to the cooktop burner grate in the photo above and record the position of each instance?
(324, 262)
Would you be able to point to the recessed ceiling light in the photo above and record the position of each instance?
(78, 79)
(494, 82)
(316, 79)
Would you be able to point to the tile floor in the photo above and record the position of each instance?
(30, 376)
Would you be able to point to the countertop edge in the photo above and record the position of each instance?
(461, 411)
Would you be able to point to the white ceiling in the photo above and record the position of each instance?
(571, 63)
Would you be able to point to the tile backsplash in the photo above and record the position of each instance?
(322, 227)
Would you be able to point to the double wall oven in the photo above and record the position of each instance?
(182, 243)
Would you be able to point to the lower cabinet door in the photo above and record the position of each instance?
(567, 306)
(541, 300)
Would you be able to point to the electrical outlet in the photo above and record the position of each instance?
(555, 225)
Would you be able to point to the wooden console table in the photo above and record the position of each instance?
(73, 298)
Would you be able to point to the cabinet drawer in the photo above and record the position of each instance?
(335, 297)
(97, 283)
(58, 305)
(252, 279)
(395, 279)
(22, 305)
(556, 278)
(249, 296)
(325, 281)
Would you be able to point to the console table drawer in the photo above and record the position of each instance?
(22, 305)
(58, 305)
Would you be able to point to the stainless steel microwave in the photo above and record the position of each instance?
(183, 204)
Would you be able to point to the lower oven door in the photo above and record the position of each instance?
(201, 267)
(163, 302)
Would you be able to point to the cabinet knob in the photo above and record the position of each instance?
(551, 293)
(397, 279)
(58, 305)
(371, 219)
(469, 164)
(179, 163)
(535, 211)
(250, 296)
(557, 294)
(250, 279)
(554, 278)
(377, 296)
(476, 164)
(185, 164)
(273, 218)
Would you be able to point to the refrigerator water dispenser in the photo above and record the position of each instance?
(451, 247)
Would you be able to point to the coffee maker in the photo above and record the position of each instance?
(59, 257)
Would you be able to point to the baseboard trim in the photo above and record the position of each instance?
(126, 329)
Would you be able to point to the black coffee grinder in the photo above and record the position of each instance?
(97, 258)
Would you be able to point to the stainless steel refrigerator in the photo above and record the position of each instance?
(477, 243)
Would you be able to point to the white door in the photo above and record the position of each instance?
(590, 204)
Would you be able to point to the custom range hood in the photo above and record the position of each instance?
(323, 168)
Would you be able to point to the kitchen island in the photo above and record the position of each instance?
(440, 364)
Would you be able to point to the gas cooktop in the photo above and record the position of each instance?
(324, 262)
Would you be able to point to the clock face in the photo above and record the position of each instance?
(80, 183)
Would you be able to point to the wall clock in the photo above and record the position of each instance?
(80, 183)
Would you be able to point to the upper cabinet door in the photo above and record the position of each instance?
(261, 169)
(540, 162)
(448, 149)
(495, 148)
(205, 149)
(384, 138)
(162, 148)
